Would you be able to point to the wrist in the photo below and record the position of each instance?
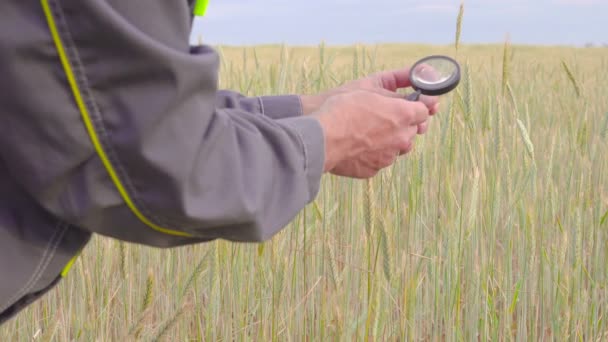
(311, 103)
(336, 142)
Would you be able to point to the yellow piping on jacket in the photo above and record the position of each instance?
(91, 129)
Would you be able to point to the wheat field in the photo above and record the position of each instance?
(494, 228)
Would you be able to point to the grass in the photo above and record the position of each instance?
(494, 228)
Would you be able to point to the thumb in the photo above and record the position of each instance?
(416, 112)
(387, 93)
(431, 102)
(393, 79)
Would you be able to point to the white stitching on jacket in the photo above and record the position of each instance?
(46, 258)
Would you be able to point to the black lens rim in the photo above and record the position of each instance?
(442, 88)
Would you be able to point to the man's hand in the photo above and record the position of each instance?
(365, 131)
(385, 82)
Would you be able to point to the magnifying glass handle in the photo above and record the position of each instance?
(413, 96)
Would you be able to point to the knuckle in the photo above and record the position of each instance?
(371, 173)
(389, 159)
(405, 145)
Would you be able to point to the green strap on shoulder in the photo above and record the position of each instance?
(200, 7)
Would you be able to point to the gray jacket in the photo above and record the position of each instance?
(110, 123)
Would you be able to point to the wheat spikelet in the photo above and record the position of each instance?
(604, 218)
(497, 136)
(420, 171)
(505, 66)
(497, 200)
(469, 96)
(604, 130)
(451, 116)
(459, 26)
(509, 182)
(369, 210)
(512, 97)
(144, 312)
(384, 245)
(573, 81)
(371, 313)
(578, 255)
(564, 244)
(218, 256)
(526, 138)
(148, 294)
(487, 113)
(195, 274)
(332, 263)
(378, 314)
(123, 259)
(169, 324)
(474, 198)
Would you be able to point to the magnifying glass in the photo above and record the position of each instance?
(434, 75)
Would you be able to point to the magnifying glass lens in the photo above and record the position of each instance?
(434, 75)
(434, 71)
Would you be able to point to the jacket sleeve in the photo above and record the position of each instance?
(272, 106)
(115, 124)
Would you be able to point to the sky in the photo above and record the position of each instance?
(341, 22)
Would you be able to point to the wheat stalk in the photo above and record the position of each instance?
(530, 264)
(369, 221)
(604, 130)
(512, 97)
(169, 324)
(195, 274)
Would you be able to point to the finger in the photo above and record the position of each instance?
(378, 161)
(387, 159)
(406, 138)
(393, 79)
(411, 113)
(410, 148)
(435, 109)
(423, 127)
(388, 93)
(429, 101)
(418, 113)
(407, 149)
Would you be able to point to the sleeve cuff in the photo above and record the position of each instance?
(281, 106)
(310, 133)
